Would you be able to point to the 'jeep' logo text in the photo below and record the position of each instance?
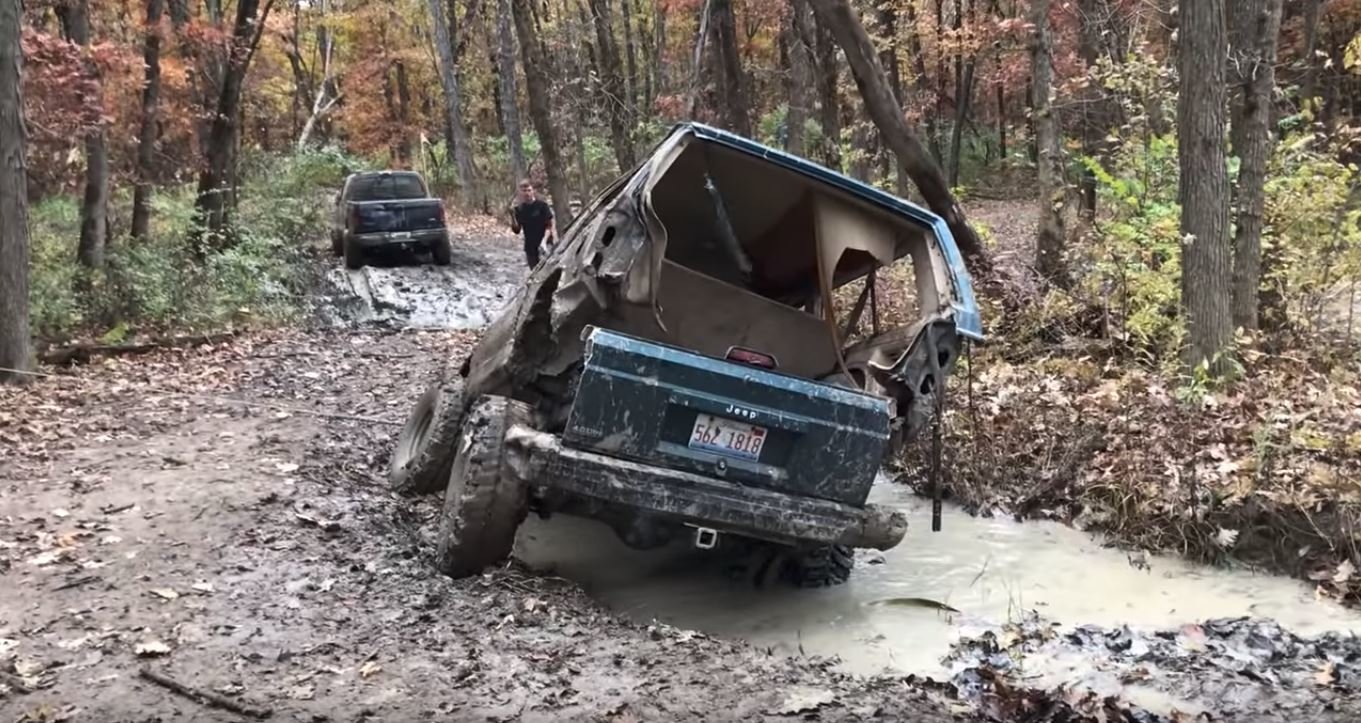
(740, 412)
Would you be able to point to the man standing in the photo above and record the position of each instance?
(535, 218)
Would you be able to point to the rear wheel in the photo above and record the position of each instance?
(354, 255)
(425, 449)
(485, 501)
(821, 566)
(337, 242)
(441, 252)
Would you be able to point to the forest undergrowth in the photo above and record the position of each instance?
(1079, 409)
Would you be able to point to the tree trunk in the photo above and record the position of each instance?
(539, 89)
(1093, 119)
(659, 82)
(453, 102)
(509, 91)
(148, 133)
(963, 97)
(1256, 25)
(14, 342)
(734, 85)
(612, 85)
(94, 207)
(212, 206)
(697, 62)
(1203, 189)
(1309, 88)
(923, 80)
(799, 75)
(405, 139)
(1002, 123)
(1032, 149)
(326, 96)
(862, 146)
(840, 19)
(963, 104)
(631, 80)
(1051, 237)
(829, 104)
(887, 17)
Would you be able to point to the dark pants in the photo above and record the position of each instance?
(532, 252)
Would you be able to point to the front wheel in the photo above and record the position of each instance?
(354, 254)
(485, 501)
(425, 449)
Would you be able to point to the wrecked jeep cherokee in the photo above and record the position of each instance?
(705, 355)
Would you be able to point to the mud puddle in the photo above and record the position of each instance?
(406, 290)
(997, 575)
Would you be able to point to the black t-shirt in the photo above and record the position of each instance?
(534, 218)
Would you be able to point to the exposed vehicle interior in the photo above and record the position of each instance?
(755, 255)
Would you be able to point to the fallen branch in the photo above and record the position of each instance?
(203, 697)
(14, 682)
(323, 524)
(80, 353)
(78, 582)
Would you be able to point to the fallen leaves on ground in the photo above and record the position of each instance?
(1259, 471)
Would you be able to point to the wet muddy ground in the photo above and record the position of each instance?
(220, 516)
(400, 290)
(254, 552)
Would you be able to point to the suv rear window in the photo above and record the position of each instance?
(388, 187)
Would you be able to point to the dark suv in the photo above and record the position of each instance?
(694, 361)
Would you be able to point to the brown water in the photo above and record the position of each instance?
(991, 570)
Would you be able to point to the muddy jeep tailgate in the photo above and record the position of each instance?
(669, 407)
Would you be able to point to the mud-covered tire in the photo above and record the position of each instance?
(485, 502)
(337, 243)
(822, 566)
(441, 252)
(354, 254)
(424, 452)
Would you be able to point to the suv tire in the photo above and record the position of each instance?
(354, 255)
(821, 566)
(337, 242)
(441, 252)
(425, 449)
(485, 502)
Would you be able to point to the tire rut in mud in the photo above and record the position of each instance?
(408, 291)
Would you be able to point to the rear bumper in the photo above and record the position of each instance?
(413, 238)
(698, 500)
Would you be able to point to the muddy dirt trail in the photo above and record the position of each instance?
(220, 516)
(398, 291)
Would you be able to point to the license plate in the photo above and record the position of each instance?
(401, 235)
(724, 436)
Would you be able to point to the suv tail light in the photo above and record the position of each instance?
(354, 217)
(439, 214)
(754, 358)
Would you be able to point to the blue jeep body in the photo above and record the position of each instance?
(694, 363)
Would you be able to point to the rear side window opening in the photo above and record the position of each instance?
(758, 229)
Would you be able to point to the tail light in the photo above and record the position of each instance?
(354, 217)
(439, 214)
(749, 356)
